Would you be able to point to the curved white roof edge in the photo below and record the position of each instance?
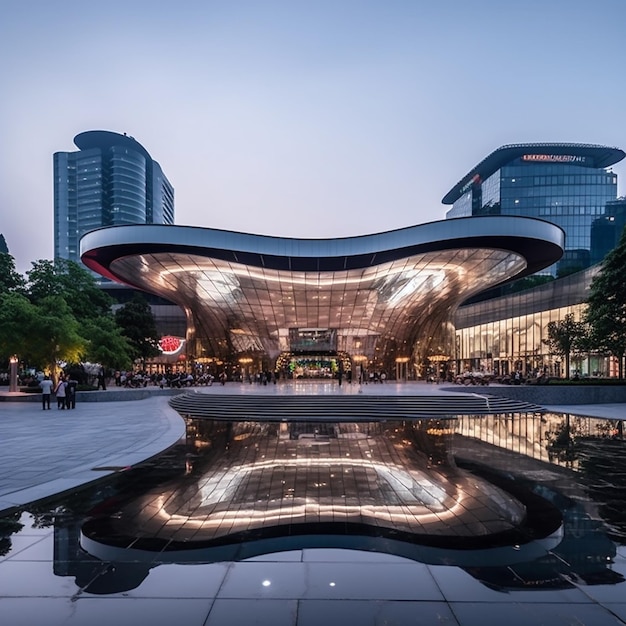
(444, 233)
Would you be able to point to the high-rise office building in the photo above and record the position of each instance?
(607, 229)
(568, 184)
(111, 180)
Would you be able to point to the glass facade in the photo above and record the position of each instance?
(111, 180)
(382, 299)
(126, 187)
(507, 334)
(566, 184)
(569, 196)
(607, 229)
(160, 203)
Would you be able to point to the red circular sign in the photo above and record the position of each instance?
(169, 344)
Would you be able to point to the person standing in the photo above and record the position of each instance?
(59, 390)
(70, 392)
(102, 380)
(46, 390)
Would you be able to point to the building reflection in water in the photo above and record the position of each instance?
(482, 493)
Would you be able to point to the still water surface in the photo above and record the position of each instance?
(516, 517)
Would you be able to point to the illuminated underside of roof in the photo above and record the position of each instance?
(391, 293)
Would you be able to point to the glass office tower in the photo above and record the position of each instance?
(563, 183)
(111, 180)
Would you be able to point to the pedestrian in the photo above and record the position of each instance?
(59, 390)
(70, 392)
(46, 390)
(101, 380)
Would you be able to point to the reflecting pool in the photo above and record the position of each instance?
(515, 518)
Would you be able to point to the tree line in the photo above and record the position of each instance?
(56, 312)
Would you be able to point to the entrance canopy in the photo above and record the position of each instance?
(378, 297)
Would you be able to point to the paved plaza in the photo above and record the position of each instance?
(45, 453)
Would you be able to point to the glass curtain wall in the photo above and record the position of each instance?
(507, 334)
(570, 196)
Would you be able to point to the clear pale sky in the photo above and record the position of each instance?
(310, 118)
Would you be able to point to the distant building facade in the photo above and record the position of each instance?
(567, 184)
(607, 229)
(506, 334)
(111, 180)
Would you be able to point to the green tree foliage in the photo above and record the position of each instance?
(75, 284)
(107, 344)
(40, 334)
(61, 314)
(529, 282)
(564, 338)
(4, 249)
(18, 323)
(58, 334)
(10, 279)
(606, 305)
(137, 322)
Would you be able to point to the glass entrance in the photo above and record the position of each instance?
(312, 366)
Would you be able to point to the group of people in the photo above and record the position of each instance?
(64, 391)
(170, 379)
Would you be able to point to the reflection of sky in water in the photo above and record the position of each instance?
(578, 567)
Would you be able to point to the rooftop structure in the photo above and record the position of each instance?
(565, 183)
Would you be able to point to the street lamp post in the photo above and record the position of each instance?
(13, 374)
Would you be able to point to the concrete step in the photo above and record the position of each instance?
(342, 408)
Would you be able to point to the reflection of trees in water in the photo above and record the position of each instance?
(9, 525)
(561, 444)
(603, 463)
(596, 448)
(564, 439)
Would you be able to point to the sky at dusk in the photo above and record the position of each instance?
(300, 118)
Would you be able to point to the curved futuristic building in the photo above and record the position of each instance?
(565, 183)
(383, 299)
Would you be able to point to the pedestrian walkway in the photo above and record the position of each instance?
(44, 453)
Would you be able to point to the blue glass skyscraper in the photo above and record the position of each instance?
(568, 184)
(111, 180)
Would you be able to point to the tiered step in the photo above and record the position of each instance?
(354, 408)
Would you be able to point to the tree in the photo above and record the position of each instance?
(18, 323)
(107, 344)
(606, 305)
(58, 334)
(61, 314)
(75, 284)
(529, 282)
(42, 333)
(564, 337)
(137, 323)
(10, 279)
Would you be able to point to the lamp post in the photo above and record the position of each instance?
(13, 374)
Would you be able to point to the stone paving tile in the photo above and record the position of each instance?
(43, 453)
